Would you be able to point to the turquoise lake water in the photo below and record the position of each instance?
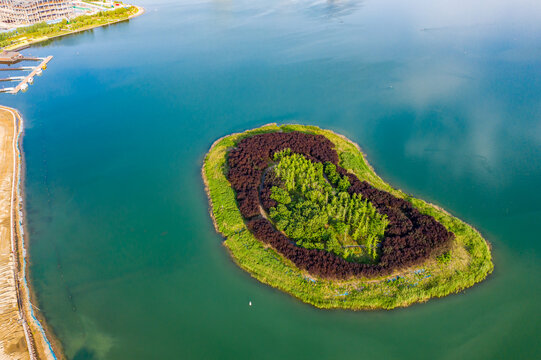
(443, 97)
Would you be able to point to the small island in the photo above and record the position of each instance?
(302, 210)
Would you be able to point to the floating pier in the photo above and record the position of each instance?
(17, 68)
(13, 78)
(25, 80)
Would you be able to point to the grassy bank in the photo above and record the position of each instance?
(24, 36)
(468, 261)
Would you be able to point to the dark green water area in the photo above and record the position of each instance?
(443, 97)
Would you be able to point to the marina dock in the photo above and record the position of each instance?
(24, 81)
(30, 77)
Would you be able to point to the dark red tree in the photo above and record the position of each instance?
(409, 239)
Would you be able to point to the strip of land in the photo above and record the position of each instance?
(21, 335)
(24, 37)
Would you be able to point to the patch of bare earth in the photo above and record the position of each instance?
(12, 338)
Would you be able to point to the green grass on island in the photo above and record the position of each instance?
(42, 31)
(468, 260)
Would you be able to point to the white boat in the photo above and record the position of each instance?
(24, 87)
(31, 80)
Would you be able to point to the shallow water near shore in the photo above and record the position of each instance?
(444, 100)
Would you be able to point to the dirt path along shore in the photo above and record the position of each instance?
(22, 336)
(13, 343)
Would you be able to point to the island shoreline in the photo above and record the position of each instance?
(277, 286)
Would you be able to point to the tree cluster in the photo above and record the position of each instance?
(253, 154)
(316, 215)
(409, 238)
(43, 29)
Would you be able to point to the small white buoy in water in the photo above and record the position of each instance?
(250, 303)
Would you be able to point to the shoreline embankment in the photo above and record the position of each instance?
(38, 344)
(18, 47)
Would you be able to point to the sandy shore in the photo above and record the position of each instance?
(21, 334)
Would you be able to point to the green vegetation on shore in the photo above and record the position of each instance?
(317, 215)
(467, 262)
(43, 31)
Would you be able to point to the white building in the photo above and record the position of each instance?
(26, 12)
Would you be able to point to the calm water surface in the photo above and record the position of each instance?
(444, 97)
